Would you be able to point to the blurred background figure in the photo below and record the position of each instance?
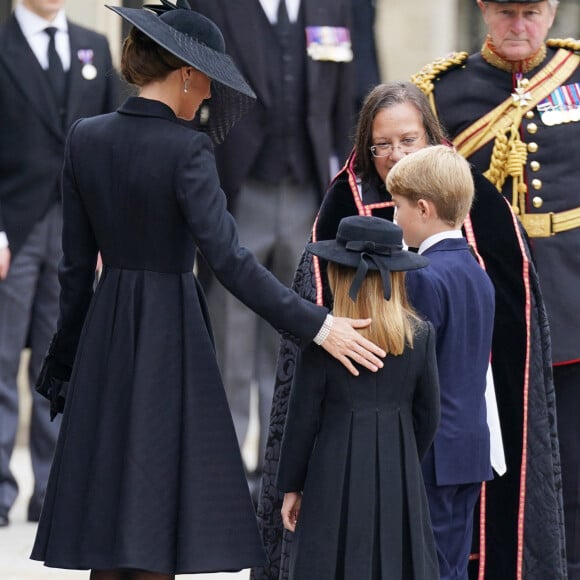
(51, 73)
(366, 66)
(275, 164)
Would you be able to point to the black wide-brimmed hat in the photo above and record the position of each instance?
(198, 42)
(368, 243)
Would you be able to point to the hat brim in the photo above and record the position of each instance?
(331, 251)
(232, 97)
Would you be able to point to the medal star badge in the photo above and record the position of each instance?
(88, 69)
(521, 96)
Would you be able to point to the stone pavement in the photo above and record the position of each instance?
(16, 540)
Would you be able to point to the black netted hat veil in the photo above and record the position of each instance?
(198, 42)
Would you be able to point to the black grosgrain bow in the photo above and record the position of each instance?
(368, 250)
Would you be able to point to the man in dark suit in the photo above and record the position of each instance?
(52, 72)
(275, 164)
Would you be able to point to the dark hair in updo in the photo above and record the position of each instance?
(144, 61)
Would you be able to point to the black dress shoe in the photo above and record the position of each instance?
(4, 521)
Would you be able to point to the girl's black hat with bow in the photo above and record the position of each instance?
(198, 42)
(368, 243)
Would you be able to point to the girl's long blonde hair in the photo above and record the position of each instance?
(394, 320)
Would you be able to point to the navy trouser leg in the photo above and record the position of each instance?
(451, 508)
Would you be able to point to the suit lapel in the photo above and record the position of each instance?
(28, 76)
(75, 80)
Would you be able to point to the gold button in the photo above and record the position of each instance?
(535, 165)
(516, 209)
(532, 128)
(537, 183)
(537, 202)
(532, 147)
(530, 115)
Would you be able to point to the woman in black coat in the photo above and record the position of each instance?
(350, 462)
(147, 479)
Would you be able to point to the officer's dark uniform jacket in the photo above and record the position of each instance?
(532, 159)
(471, 89)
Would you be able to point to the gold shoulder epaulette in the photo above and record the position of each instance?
(424, 78)
(567, 43)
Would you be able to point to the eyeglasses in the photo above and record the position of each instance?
(407, 145)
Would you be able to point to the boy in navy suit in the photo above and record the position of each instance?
(433, 191)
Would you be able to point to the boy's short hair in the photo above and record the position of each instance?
(438, 174)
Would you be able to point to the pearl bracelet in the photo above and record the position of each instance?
(324, 330)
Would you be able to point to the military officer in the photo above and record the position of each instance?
(513, 109)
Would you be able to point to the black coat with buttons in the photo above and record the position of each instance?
(552, 173)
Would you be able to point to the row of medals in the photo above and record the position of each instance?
(558, 114)
(551, 111)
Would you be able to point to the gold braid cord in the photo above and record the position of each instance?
(424, 78)
(567, 43)
(509, 155)
(508, 159)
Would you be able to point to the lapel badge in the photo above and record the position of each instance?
(88, 70)
(329, 43)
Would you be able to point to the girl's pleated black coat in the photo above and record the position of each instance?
(354, 446)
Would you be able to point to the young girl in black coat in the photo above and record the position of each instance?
(352, 447)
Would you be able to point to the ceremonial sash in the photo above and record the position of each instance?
(500, 119)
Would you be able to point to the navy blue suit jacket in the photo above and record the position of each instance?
(457, 296)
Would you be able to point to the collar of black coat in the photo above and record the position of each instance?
(142, 107)
(491, 56)
(147, 108)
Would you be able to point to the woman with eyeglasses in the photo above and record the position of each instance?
(395, 120)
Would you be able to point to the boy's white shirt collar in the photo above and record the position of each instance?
(271, 9)
(436, 238)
